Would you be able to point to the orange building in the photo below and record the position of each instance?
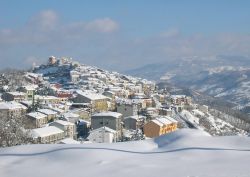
(159, 126)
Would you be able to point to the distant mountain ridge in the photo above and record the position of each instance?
(226, 77)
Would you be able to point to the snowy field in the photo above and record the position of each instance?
(184, 153)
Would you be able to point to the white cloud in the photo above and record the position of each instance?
(45, 20)
(105, 25)
(96, 42)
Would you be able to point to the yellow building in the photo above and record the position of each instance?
(48, 99)
(51, 115)
(36, 120)
(12, 109)
(159, 126)
(98, 102)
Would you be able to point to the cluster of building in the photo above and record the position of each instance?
(64, 101)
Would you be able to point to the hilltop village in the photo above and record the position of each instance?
(66, 102)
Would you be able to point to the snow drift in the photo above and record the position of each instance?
(182, 153)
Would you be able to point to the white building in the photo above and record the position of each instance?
(103, 135)
(47, 135)
(71, 117)
(67, 127)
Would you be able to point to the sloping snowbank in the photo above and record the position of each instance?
(182, 153)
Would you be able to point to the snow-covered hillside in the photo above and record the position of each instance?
(211, 124)
(225, 82)
(224, 77)
(184, 153)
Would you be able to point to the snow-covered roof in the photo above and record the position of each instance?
(62, 122)
(36, 115)
(151, 109)
(45, 131)
(30, 87)
(69, 141)
(164, 121)
(81, 121)
(35, 75)
(16, 93)
(196, 111)
(70, 114)
(108, 113)
(106, 129)
(45, 97)
(11, 105)
(47, 111)
(127, 101)
(177, 96)
(91, 95)
(135, 117)
(157, 122)
(57, 109)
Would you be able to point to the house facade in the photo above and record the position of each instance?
(98, 102)
(127, 109)
(52, 115)
(103, 135)
(12, 109)
(134, 122)
(112, 120)
(29, 91)
(36, 120)
(159, 126)
(47, 135)
(68, 128)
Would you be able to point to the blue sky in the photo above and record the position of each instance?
(136, 30)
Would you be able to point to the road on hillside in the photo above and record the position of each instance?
(184, 122)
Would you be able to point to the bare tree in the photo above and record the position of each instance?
(12, 131)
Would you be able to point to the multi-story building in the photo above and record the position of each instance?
(29, 91)
(159, 126)
(127, 108)
(12, 109)
(47, 99)
(98, 102)
(112, 120)
(103, 135)
(134, 122)
(47, 135)
(68, 128)
(36, 120)
(181, 100)
(52, 115)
